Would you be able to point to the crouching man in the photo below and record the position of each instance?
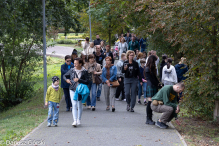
(165, 101)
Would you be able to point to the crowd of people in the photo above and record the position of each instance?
(134, 74)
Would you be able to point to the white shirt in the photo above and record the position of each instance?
(90, 50)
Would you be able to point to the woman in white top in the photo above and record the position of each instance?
(169, 76)
(86, 45)
(90, 49)
(123, 47)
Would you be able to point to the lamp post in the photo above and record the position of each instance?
(90, 24)
(44, 51)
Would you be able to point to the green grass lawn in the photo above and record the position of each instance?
(18, 121)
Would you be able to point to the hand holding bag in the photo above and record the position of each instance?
(115, 83)
(97, 78)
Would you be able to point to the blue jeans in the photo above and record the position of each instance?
(76, 105)
(93, 89)
(140, 89)
(53, 106)
(99, 90)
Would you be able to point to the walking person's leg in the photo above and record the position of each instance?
(88, 98)
(74, 108)
(80, 109)
(139, 92)
(112, 98)
(99, 92)
(144, 90)
(133, 94)
(93, 99)
(56, 114)
(149, 113)
(127, 95)
(106, 94)
(118, 90)
(67, 98)
(50, 113)
(123, 89)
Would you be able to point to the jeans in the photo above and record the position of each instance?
(99, 90)
(93, 88)
(131, 86)
(67, 98)
(144, 85)
(53, 107)
(76, 105)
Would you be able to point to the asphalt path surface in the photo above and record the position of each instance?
(103, 128)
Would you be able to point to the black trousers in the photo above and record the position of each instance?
(67, 98)
(120, 89)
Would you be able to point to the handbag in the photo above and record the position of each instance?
(115, 83)
(97, 78)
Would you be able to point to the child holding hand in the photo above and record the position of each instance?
(53, 97)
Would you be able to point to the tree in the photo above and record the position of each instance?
(21, 36)
(105, 16)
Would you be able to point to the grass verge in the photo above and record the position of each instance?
(196, 131)
(18, 121)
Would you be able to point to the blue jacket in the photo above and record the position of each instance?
(113, 73)
(143, 43)
(65, 69)
(83, 90)
(181, 69)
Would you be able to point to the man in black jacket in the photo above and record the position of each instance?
(97, 41)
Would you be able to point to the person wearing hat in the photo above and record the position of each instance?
(53, 97)
(74, 55)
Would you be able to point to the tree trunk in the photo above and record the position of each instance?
(110, 38)
(65, 35)
(216, 111)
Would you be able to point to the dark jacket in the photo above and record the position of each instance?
(64, 70)
(136, 70)
(97, 42)
(110, 54)
(151, 78)
(163, 63)
(181, 69)
(72, 73)
(99, 59)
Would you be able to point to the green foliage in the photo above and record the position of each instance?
(72, 37)
(105, 17)
(65, 41)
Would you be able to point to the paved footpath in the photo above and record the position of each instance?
(105, 128)
(59, 51)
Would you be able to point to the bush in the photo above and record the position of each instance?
(72, 37)
(65, 41)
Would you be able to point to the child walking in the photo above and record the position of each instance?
(53, 97)
(144, 85)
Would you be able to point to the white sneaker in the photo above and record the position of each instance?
(78, 122)
(89, 107)
(124, 99)
(74, 124)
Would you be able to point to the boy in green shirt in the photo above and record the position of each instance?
(53, 97)
(165, 101)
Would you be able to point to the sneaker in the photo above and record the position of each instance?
(74, 124)
(89, 107)
(145, 102)
(149, 121)
(128, 108)
(139, 102)
(161, 125)
(113, 109)
(98, 98)
(93, 108)
(67, 110)
(124, 99)
(49, 125)
(117, 99)
(78, 122)
(55, 124)
(132, 110)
